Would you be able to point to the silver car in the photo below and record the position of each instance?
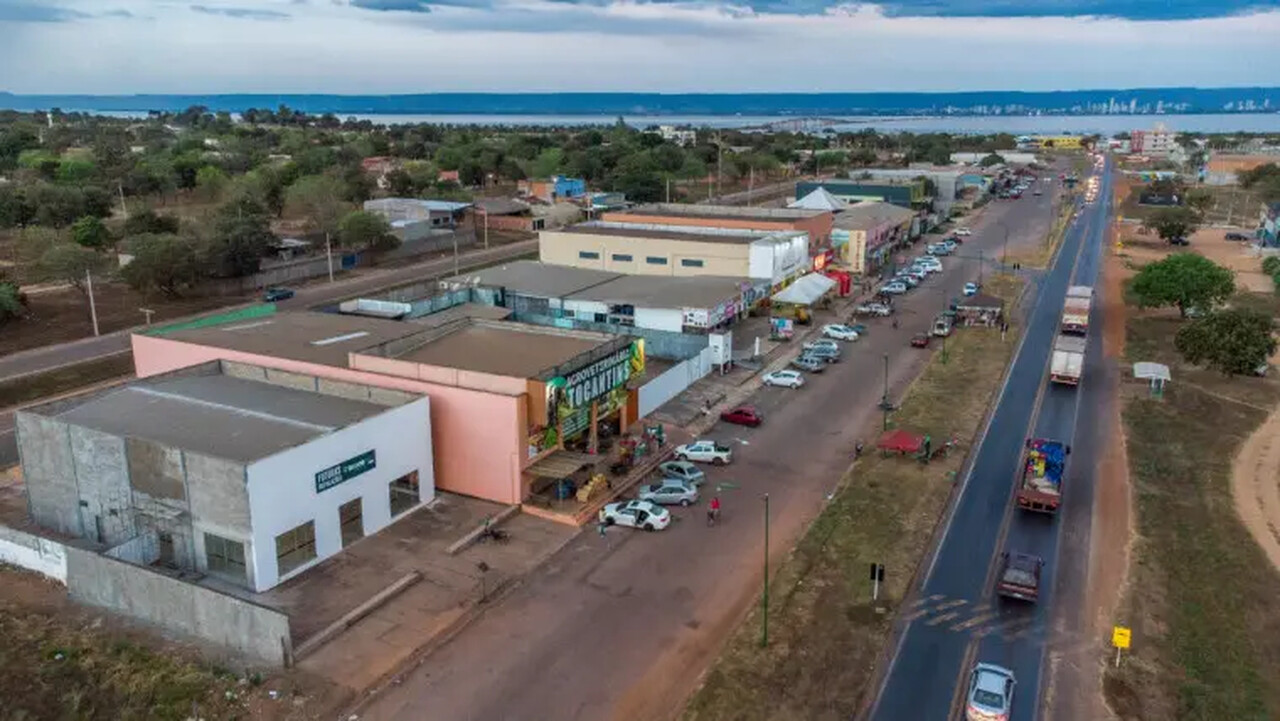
(682, 471)
(809, 364)
(669, 492)
(990, 693)
(824, 353)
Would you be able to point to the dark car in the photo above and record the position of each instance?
(743, 416)
(276, 294)
(1237, 236)
(920, 340)
(1179, 241)
(1020, 576)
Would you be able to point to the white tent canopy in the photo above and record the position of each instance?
(819, 199)
(1152, 371)
(806, 290)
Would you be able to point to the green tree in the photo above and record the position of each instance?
(1185, 280)
(73, 171)
(318, 199)
(69, 263)
(1234, 341)
(12, 300)
(91, 232)
(549, 162)
(990, 160)
(148, 221)
(1199, 200)
(400, 184)
(1171, 223)
(361, 229)
(164, 262)
(211, 182)
(241, 235)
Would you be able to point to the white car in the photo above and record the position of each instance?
(636, 514)
(894, 288)
(970, 288)
(990, 694)
(839, 332)
(928, 264)
(787, 379)
(938, 249)
(669, 491)
(963, 232)
(876, 309)
(821, 343)
(705, 451)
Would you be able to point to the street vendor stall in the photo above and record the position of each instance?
(980, 310)
(901, 442)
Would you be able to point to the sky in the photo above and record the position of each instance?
(420, 46)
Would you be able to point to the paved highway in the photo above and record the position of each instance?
(956, 619)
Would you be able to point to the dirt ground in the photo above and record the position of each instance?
(1209, 242)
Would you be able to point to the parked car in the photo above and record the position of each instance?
(938, 249)
(786, 379)
(705, 451)
(908, 280)
(839, 332)
(990, 694)
(920, 340)
(1038, 192)
(669, 492)
(276, 294)
(1179, 241)
(636, 514)
(894, 288)
(963, 232)
(824, 353)
(743, 416)
(877, 309)
(683, 471)
(821, 343)
(970, 289)
(809, 364)
(858, 328)
(950, 244)
(1237, 236)
(918, 275)
(928, 262)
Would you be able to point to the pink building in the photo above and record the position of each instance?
(504, 396)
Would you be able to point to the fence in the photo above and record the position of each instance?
(672, 382)
(44, 556)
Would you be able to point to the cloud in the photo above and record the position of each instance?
(412, 6)
(19, 11)
(1125, 9)
(121, 13)
(241, 13)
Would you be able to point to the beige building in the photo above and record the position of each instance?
(648, 249)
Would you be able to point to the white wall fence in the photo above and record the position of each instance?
(671, 383)
(45, 557)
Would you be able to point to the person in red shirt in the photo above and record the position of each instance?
(713, 511)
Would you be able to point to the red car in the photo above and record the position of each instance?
(743, 416)
(920, 340)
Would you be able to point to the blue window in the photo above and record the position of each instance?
(655, 260)
(691, 262)
(588, 255)
(622, 258)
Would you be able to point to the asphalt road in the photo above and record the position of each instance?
(621, 627)
(957, 619)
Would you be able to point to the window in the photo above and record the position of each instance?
(224, 556)
(691, 262)
(622, 258)
(655, 260)
(351, 521)
(404, 493)
(588, 255)
(295, 547)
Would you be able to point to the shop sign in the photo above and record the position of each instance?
(345, 471)
(588, 384)
(696, 318)
(575, 422)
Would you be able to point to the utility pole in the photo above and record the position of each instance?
(764, 599)
(668, 189)
(93, 309)
(486, 230)
(328, 253)
(751, 182)
(719, 165)
(981, 261)
(455, 255)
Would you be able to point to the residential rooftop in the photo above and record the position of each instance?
(217, 415)
(530, 277)
(324, 338)
(658, 291)
(509, 349)
(673, 232)
(869, 214)
(723, 212)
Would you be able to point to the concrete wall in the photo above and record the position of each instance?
(49, 470)
(42, 555)
(666, 319)
(657, 343)
(675, 380)
(245, 629)
(563, 247)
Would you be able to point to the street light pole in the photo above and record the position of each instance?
(884, 399)
(764, 599)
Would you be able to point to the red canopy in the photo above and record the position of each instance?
(900, 441)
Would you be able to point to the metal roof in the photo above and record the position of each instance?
(530, 277)
(657, 291)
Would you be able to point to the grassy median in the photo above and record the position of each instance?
(824, 635)
(1201, 596)
(31, 388)
(1042, 254)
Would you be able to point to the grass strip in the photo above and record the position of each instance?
(30, 388)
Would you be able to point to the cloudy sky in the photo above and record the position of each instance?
(400, 46)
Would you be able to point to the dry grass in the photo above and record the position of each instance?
(825, 637)
(60, 380)
(1041, 255)
(1201, 600)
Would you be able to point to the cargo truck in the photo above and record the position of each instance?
(1075, 311)
(1068, 360)
(1040, 485)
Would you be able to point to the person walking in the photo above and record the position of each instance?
(713, 511)
(601, 527)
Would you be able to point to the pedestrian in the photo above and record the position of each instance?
(601, 526)
(713, 511)
(706, 407)
(857, 450)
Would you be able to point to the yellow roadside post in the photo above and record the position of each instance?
(1120, 637)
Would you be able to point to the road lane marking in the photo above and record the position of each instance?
(951, 604)
(922, 601)
(939, 620)
(975, 621)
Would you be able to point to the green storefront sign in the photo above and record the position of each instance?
(345, 471)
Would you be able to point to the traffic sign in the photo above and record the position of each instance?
(1120, 637)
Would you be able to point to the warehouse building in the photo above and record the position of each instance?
(220, 469)
(817, 223)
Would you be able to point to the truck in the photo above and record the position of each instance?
(1020, 576)
(1075, 311)
(1040, 485)
(1068, 360)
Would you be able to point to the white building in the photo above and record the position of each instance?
(679, 136)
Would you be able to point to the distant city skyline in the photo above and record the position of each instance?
(407, 46)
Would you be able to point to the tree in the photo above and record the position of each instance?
(400, 184)
(69, 263)
(1200, 200)
(241, 235)
(13, 301)
(361, 229)
(318, 198)
(91, 232)
(991, 159)
(211, 182)
(1171, 223)
(1185, 280)
(163, 262)
(148, 221)
(1234, 341)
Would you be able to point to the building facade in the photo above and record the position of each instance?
(1157, 141)
(903, 193)
(867, 233)
(817, 223)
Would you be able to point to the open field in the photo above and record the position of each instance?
(1141, 249)
(1201, 594)
(825, 637)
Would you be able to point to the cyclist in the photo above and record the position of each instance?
(713, 511)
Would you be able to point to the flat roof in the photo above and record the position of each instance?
(324, 338)
(218, 415)
(506, 349)
(531, 277)
(670, 232)
(656, 291)
(462, 312)
(870, 214)
(723, 212)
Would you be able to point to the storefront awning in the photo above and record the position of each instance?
(561, 464)
(806, 290)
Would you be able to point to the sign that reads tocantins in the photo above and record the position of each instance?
(597, 379)
(345, 471)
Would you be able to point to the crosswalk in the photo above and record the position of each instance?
(1007, 621)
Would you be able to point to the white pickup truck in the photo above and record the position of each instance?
(705, 451)
(1068, 360)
